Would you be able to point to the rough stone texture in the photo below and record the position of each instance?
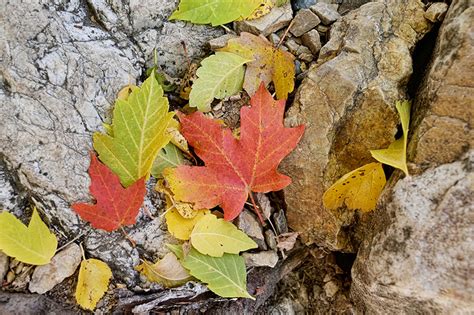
(347, 103)
(62, 266)
(31, 304)
(304, 21)
(220, 42)
(62, 65)
(249, 224)
(325, 12)
(436, 12)
(278, 18)
(419, 256)
(312, 40)
(267, 258)
(3, 266)
(444, 105)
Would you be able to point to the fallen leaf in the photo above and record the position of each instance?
(263, 9)
(167, 271)
(115, 206)
(396, 154)
(270, 64)
(139, 132)
(160, 78)
(176, 137)
(359, 189)
(125, 92)
(286, 241)
(185, 209)
(225, 276)
(169, 156)
(235, 167)
(214, 237)
(181, 227)
(34, 245)
(219, 76)
(92, 283)
(215, 12)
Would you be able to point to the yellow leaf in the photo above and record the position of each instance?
(185, 209)
(34, 244)
(180, 227)
(265, 7)
(124, 93)
(176, 137)
(396, 154)
(214, 237)
(270, 64)
(359, 189)
(92, 283)
(167, 271)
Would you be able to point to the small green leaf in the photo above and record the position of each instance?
(34, 244)
(225, 276)
(215, 12)
(396, 154)
(169, 156)
(219, 76)
(214, 237)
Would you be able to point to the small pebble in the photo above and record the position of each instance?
(325, 12)
(304, 21)
(331, 289)
(436, 12)
(270, 238)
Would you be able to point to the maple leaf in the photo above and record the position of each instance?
(270, 64)
(235, 167)
(115, 206)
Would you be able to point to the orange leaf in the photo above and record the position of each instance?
(235, 167)
(116, 206)
(270, 64)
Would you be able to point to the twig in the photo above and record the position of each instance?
(256, 209)
(70, 242)
(284, 34)
(128, 237)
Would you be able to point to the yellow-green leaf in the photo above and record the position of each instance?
(169, 156)
(92, 283)
(139, 131)
(359, 189)
(167, 271)
(270, 64)
(214, 237)
(264, 8)
(396, 154)
(225, 276)
(34, 244)
(215, 12)
(181, 227)
(219, 76)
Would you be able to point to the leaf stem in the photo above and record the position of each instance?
(128, 237)
(284, 34)
(256, 209)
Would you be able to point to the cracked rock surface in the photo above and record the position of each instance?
(62, 65)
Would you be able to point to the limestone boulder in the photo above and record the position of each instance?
(418, 255)
(347, 104)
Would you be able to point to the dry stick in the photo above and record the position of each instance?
(284, 35)
(128, 237)
(256, 208)
(82, 251)
(148, 212)
(70, 242)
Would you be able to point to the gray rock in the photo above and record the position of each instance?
(278, 18)
(280, 222)
(270, 239)
(265, 205)
(325, 12)
(62, 66)
(62, 266)
(347, 103)
(261, 259)
(249, 224)
(303, 4)
(30, 304)
(436, 12)
(274, 39)
(305, 54)
(220, 42)
(292, 45)
(420, 246)
(312, 40)
(304, 21)
(4, 263)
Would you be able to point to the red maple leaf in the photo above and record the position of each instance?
(235, 167)
(115, 206)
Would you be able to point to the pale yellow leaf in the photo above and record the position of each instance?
(180, 227)
(92, 283)
(167, 271)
